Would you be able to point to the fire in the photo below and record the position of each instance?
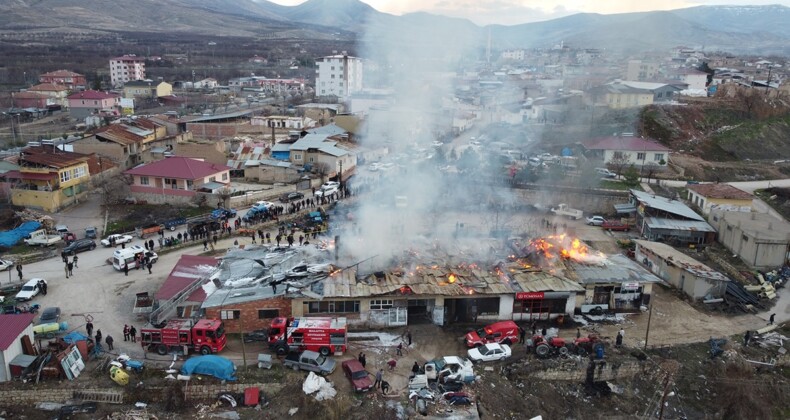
(335, 272)
(564, 247)
(451, 278)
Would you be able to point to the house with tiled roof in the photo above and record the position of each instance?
(93, 102)
(177, 179)
(16, 342)
(715, 195)
(31, 100)
(67, 78)
(627, 150)
(49, 178)
(146, 89)
(125, 143)
(58, 93)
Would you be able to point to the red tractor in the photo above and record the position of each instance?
(557, 345)
(586, 345)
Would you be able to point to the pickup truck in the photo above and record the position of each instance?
(564, 211)
(150, 229)
(310, 360)
(450, 369)
(40, 238)
(222, 213)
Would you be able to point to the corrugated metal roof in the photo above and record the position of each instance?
(693, 225)
(615, 269)
(669, 254)
(666, 204)
(319, 142)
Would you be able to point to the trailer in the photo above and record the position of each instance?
(149, 229)
(143, 304)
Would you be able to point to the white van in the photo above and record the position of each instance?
(605, 173)
(128, 257)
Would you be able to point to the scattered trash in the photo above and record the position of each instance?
(715, 346)
(227, 398)
(48, 406)
(231, 415)
(293, 411)
(323, 389)
(140, 405)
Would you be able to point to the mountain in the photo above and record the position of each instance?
(347, 14)
(741, 19)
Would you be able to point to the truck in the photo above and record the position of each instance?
(205, 336)
(310, 360)
(40, 238)
(143, 304)
(149, 229)
(450, 369)
(323, 335)
(173, 224)
(564, 211)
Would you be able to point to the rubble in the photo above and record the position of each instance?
(323, 388)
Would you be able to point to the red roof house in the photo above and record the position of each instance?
(632, 150)
(82, 104)
(31, 100)
(13, 329)
(67, 78)
(177, 176)
(188, 270)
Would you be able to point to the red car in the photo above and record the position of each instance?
(613, 225)
(357, 375)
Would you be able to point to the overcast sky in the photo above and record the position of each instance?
(511, 12)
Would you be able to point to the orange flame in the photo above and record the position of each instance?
(561, 246)
(451, 278)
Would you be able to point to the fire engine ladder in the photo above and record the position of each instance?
(170, 305)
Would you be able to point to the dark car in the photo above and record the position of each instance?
(357, 375)
(49, 315)
(79, 245)
(286, 198)
(257, 335)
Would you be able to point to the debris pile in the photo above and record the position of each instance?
(322, 388)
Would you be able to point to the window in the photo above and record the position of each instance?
(230, 314)
(212, 179)
(225, 176)
(380, 304)
(79, 172)
(268, 313)
(658, 157)
(144, 180)
(640, 156)
(189, 184)
(297, 156)
(332, 306)
(618, 155)
(65, 176)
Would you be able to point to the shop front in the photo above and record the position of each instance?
(529, 306)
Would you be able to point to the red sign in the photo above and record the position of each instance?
(529, 295)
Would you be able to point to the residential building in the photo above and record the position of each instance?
(126, 143)
(49, 178)
(626, 150)
(667, 220)
(759, 239)
(217, 126)
(695, 79)
(16, 336)
(177, 179)
(708, 196)
(58, 93)
(615, 284)
(31, 100)
(338, 75)
(146, 89)
(93, 102)
(696, 280)
(517, 54)
(125, 69)
(264, 85)
(66, 78)
(282, 121)
(620, 96)
(320, 146)
(641, 70)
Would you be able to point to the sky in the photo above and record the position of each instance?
(512, 12)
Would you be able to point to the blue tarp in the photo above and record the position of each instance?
(74, 336)
(10, 238)
(216, 366)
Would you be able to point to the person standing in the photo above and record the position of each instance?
(149, 265)
(205, 245)
(578, 333)
(364, 360)
(109, 341)
(619, 340)
(408, 336)
(19, 270)
(543, 332)
(70, 266)
(379, 374)
(98, 336)
(126, 269)
(399, 350)
(771, 319)
(415, 370)
(125, 332)
(521, 334)
(66, 269)
(43, 287)
(622, 332)
(132, 334)
(76, 258)
(746, 338)
(89, 328)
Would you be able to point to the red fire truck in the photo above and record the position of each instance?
(324, 335)
(182, 335)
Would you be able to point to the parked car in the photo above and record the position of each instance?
(328, 184)
(6, 265)
(326, 192)
(223, 213)
(263, 205)
(79, 245)
(489, 352)
(91, 232)
(257, 335)
(357, 375)
(605, 173)
(30, 290)
(287, 198)
(117, 239)
(615, 225)
(49, 315)
(596, 220)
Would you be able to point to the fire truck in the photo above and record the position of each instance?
(324, 335)
(182, 335)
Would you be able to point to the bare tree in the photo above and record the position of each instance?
(223, 194)
(113, 189)
(321, 169)
(619, 162)
(650, 169)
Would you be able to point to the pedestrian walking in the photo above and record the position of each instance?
(771, 319)
(125, 332)
(76, 258)
(70, 265)
(89, 328)
(19, 270)
(379, 374)
(133, 333)
(408, 336)
(149, 265)
(399, 349)
(746, 338)
(66, 269)
(98, 336)
(109, 341)
(126, 269)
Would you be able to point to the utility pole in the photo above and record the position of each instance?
(647, 332)
(768, 82)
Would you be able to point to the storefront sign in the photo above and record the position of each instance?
(630, 286)
(529, 295)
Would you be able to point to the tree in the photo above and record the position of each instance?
(631, 177)
(113, 189)
(321, 169)
(223, 194)
(649, 170)
(619, 162)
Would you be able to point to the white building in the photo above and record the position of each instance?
(126, 68)
(15, 329)
(338, 75)
(513, 55)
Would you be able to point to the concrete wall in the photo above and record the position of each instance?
(271, 174)
(50, 201)
(214, 152)
(758, 254)
(214, 131)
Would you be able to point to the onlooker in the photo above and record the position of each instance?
(379, 374)
(70, 266)
(66, 269)
(149, 267)
(771, 319)
(89, 328)
(399, 349)
(109, 341)
(98, 336)
(133, 333)
(125, 332)
(76, 258)
(19, 270)
(408, 336)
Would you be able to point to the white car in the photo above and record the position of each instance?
(595, 220)
(118, 239)
(29, 290)
(263, 205)
(325, 192)
(489, 352)
(328, 184)
(6, 265)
